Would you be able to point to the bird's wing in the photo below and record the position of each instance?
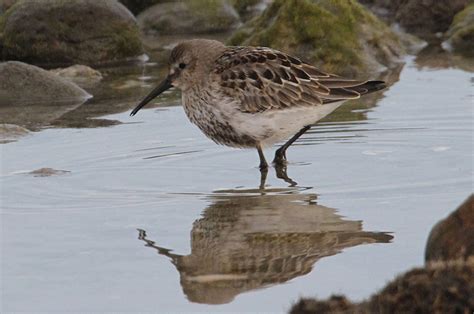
(266, 79)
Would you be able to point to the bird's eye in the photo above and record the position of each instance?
(182, 65)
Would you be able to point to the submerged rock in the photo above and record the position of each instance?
(21, 82)
(453, 238)
(341, 36)
(82, 75)
(189, 17)
(48, 172)
(461, 33)
(69, 32)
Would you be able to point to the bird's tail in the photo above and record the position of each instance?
(368, 87)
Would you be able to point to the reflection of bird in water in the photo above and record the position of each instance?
(245, 242)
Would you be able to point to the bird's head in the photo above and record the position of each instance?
(189, 64)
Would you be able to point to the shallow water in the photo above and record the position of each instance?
(149, 215)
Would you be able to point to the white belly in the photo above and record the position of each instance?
(279, 125)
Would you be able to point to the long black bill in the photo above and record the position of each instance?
(166, 84)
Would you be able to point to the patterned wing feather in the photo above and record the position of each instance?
(265, 79)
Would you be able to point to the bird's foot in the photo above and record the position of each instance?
(282, 174)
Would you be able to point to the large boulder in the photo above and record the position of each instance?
(69, 32)
(453, 238)
(341, 36)
(189, 17)
(422, 18)
(461, 33)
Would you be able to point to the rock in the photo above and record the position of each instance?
(137, 6)
(339, 36)
(444, 288)
(335, 304)
(422, 18)
(453, 237)
(11, 132)
(461, 33)
(21, 82)
(428, 17)
(189, 17)
(62, 32)
(82, 75)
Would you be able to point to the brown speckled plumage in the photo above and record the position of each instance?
(266, 79)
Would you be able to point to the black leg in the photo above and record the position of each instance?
(280, 154)
(263, 162)
(263, 178)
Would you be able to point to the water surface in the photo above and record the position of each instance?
(145, 214)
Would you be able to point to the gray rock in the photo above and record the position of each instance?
(21, 82)
(33, 97)
(189, 17)
(69, 32)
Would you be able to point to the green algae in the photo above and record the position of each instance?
(339, 34)
(461, 32)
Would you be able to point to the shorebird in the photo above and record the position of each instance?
(253, 97)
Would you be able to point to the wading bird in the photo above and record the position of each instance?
(253, 97)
